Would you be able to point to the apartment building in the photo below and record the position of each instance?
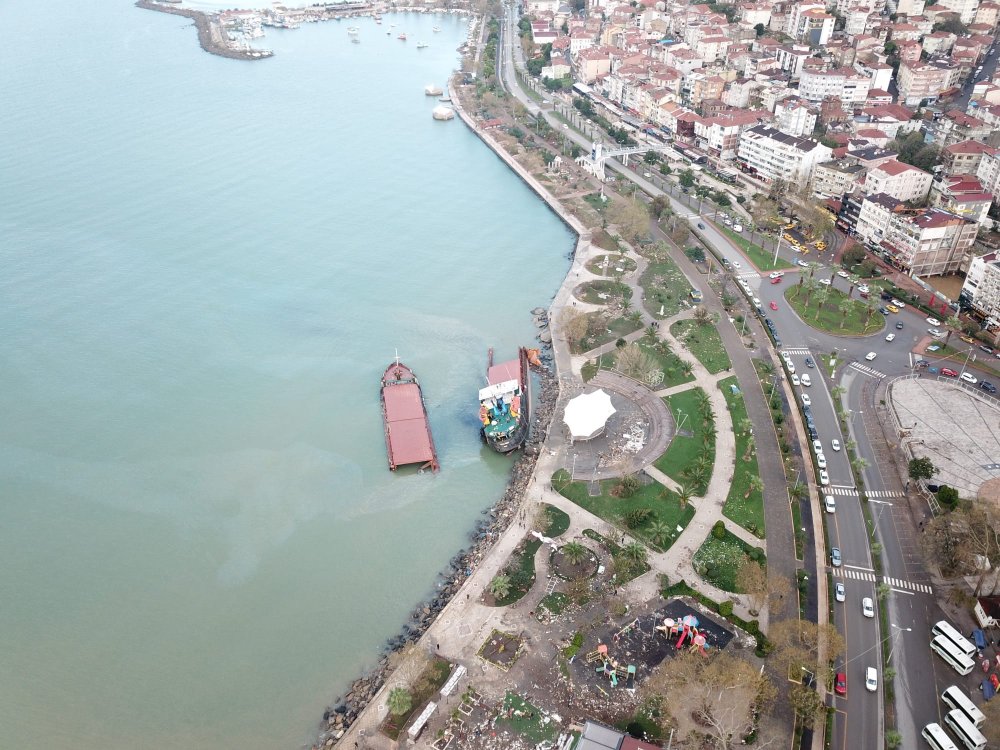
(903, 182)
(770, 155)
(964, 157)
(833, 179)
(845, 84)
(795, 117)
(925, 80)
(809, 23)
(982, 287)
(962, 195)
(720, 133)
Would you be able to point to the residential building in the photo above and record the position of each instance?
(966, 9)
(792, 58)
(962, 195)
(808, 22)
(964, 157)
(833, 179)
(879, 74)
(903, 182)
(845, 84)
(955, 126)
(772, 155)
(925, 80)
(982, 291)
(988, 171)
(795, 117)
(720, 134)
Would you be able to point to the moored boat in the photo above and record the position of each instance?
(402, 37)
(505, 403)
(408, 438)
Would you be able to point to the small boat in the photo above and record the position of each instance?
(505, 403)
(437, 29)
(402, 37)
(352, 30)
(408, 438)
(432, 90)
(421, 45)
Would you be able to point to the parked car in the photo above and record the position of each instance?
(933, 322)
(806, 380)
(868, 607)
(821, 460)
(817, 446)
(825, 282)
(863, 288)
(775, 274)
(870, 356)
(985, 348)
(839, 592)
(840, 684)
(892, 308)
(806, 400)
(871, 679)
(967, 339)
(795, 379)
(948, 372)
(824, 478)
(988, 386)
(884, 310)
(830, 503)
(835, 558)
(842, 273)
(935, 332)
(898, 304)
(969, 378)
(802, 263)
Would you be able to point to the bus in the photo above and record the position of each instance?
(950, 653)
(937, 738)
(958, 700)
(965, 730)
(945, 628)
(696, 295)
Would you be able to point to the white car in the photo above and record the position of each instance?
(795, 379)
(835, 444)
(863, 288)
(806, 400)
(831, 507)
(824, 478)
(898, 304)
(871, 679)
(806, 380)
(790, 366)
(775, 274)
(821, 460)
(843, 274)
(891, 337)
(868, 607)
(840, 592)
(817, 446)
(935, 332)
(825, 282)
(738, 228)
(736, 264)
(756, 301)
(870, 356)
(968, 378)
(933, 322)
(647, 175)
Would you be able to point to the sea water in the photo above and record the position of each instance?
(205, 265)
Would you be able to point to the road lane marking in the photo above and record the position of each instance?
(904, 591)
(858, 567)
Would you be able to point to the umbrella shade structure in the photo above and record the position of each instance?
(587, 414)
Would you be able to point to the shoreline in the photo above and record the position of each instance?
(342, 714)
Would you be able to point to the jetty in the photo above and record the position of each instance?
(408, 437)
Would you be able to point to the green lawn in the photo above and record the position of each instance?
(614, 262)
(601, 291)
(526, 720)
(665, 287)
(829, 318)
(800, 534)
(631, 572)
(758, 256)
(704, 342)
(717, 560)
(521, 570)
(616, 328)
(663, 505)
(602, 239)
(555, 602)
(748, 512)
(674, 370)
(685, 451)
(558, 521)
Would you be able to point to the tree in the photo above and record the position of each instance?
(574, 552)
(574, 325)
(953, 324)
(702, 316)
(807, 704)
(754, 484)
(684, 495)
(952, 26)
(500, 587)
(921, 468)
(759, 29)
(399, 701)
(799, 490)
(797, 646)
(635, 362)
(659, 530)
(660, 206)
(686, 178)
(722, 691)
(635, 552)
(859, 464)
(822, 295)
(844, 308)
(751, 579)
(853, 255)
(631, 217)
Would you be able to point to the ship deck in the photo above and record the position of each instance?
(504, 371)
(407, 431)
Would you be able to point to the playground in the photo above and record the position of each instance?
(619, 658)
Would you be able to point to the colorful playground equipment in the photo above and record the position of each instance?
(685, 628)
(626, 629)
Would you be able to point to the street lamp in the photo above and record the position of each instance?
(878, 516)
(896, 638)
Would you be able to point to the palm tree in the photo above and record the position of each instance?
(696, 474)
(766, 368)
(659, 530)
(821, 297)
(400, 701)
(635, 317)
(745, 426)
(686, 369)
(703, 462)
(751, 445)
(755, 485)
(859, 465)
(634, 552)
(574, 552)
(704, 401)
(953, 323)
(650, 333)
(684, 495)
(844, 308)
(810, 286)
(799, 490)
(500, 587)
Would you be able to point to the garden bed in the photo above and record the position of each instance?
(720, 559)
(423, 689)
(854, 320)
(690, 457)
(704, 342)
(745, 502)
(664, 286)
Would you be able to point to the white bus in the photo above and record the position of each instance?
(945, 628)
(950, 653)
(965, 730)
(957, 699)
(937, 738)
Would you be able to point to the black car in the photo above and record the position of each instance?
(886, 296)
(809, 362)
(883, 310)
(988, 386)
(985, 348)
(899, 326)
(700, 225)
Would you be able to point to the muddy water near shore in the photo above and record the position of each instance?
(207, 264)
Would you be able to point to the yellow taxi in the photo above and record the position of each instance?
(789, 238)
(968, 339)
(892, 308)
(820, 245)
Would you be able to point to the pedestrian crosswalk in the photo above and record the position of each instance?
(795, 351)
(853, 492)
(867, 370)
(748, 275)
(870, 577)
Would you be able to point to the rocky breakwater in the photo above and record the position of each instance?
(346, 708)
(211, 35)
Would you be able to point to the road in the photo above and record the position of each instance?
(910, 605)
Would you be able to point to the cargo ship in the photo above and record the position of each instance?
(505, 403)
(408, 438)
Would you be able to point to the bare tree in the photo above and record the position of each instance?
(751, 579)
(807, 704)
(797, 647)
(574, 325)
(636, 363)
(631, 217)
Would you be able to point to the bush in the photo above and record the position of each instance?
(726, 608)
(947, 496)
(719, 530)
(629, 485)
(637, 517)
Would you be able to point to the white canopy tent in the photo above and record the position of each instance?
(587, 414)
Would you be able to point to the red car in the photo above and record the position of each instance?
(949, 372)
(776, 280)
(840, 684)
(774, 305)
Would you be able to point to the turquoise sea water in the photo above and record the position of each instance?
(205, 265)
